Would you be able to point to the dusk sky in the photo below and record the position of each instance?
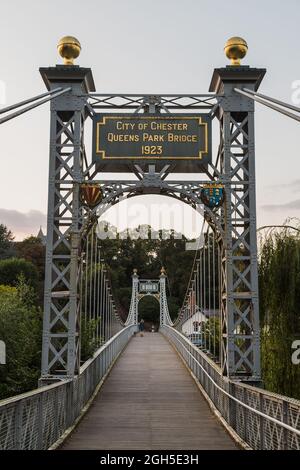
(139, 46)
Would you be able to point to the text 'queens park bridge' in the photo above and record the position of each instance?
(201, 372)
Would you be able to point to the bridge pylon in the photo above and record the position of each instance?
(149, 287)
(240, 331)
(232, 221)
(67, 169)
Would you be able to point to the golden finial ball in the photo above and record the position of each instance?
(235, 49)
(69, 49)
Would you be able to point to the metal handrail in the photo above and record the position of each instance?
(239, 401)
(229, 389)
(31, 393)
(268, 104)
(37, 419)
(99, 351)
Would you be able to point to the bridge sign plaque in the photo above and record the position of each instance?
(148, 287)
(125, 138)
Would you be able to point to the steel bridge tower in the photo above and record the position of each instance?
(239, 273)
(234, 223)
(149, 287)
(67, 169)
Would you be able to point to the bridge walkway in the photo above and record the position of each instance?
(149, 401)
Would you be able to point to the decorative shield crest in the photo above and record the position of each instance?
(212, 195)
(91, 194)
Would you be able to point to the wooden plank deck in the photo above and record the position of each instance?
(149, 401)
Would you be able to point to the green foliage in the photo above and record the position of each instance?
(279, 281)
(174, 305)
(6, 292)
(148, 256)
(21, 330)
(31, 249)
(212, 335)
(89, 342)
(11, 269)
(149, 310)
(6, 243)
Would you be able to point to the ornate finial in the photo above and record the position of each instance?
(69, 48)
(135, 271)
(235, 49)
(163, 271)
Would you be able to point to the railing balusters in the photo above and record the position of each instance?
(234, 401)
(40, 422)
(61, 397)
(228, 397)
(18, 425)
(232, 407)
(261, 422)
(285, 420)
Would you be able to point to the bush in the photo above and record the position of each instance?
(279, 281)
(89, 342)
(149, 310)
(21, 330)
(6, 243)
(11, 270)
(212, 335)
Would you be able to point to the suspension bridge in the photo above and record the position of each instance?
(160, 390)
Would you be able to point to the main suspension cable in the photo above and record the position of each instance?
(29, 100)
(269, 105)
(32, 106)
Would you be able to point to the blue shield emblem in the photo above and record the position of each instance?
(212, 195)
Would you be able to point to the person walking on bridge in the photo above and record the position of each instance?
(141, 327)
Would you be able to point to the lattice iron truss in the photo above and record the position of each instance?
(152, 103)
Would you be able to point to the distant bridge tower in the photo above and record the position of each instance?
(149, 287)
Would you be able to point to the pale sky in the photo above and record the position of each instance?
(139, 46)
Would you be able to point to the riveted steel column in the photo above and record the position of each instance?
(133, 309)
(61, 335)
(240, 348)
(162, 299)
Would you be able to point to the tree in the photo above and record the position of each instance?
(148, 256)
(88, 340)
(32, 249)
(11, 269)
(21, 330)
(6, 243)
(279, 283)
(212, 335)
(149, 310)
